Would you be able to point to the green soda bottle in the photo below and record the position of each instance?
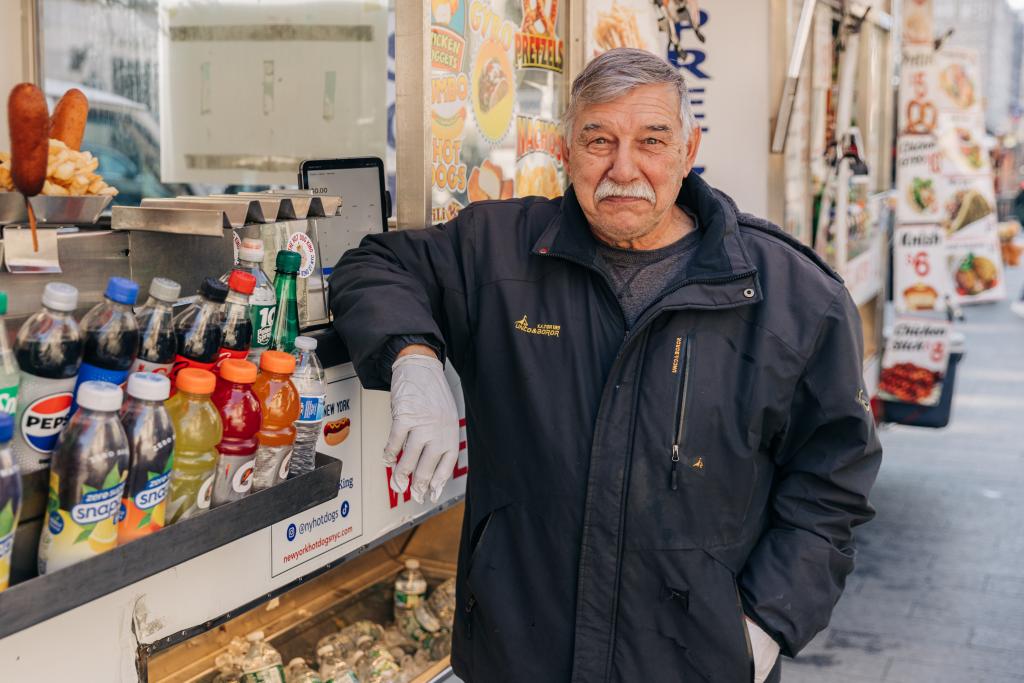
(286, 322)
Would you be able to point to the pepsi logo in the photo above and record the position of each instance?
(44, 419)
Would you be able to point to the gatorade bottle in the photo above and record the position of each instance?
(280, 403)
(197, 431)
(49, 351)
(199, 328)
(157, 342)
(9, 375)
(262, 301)
(241, 416)
(87, 477)
(286, 322)
(151, 444)
(237, 325)
(111, 335)
(10, 497)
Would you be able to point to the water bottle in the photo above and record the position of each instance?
(49, 353)
(333, 667)
(308, 378)
(262, 663)
(10, 497)
(299, 672)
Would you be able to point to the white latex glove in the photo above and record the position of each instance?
(764, 649)
(424, 426)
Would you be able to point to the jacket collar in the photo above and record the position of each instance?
(720, 255)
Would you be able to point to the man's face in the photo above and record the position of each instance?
(627, 161)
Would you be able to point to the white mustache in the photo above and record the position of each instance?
(639, 189)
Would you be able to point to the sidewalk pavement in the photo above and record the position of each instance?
(938, 592)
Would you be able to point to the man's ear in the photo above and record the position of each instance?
(692, 145)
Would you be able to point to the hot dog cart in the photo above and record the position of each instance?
(473, 91)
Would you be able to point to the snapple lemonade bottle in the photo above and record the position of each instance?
(87, 475)
(151, 442)
(197, 431)
(241, 416)
(10, 497)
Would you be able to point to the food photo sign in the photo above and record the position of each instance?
(915, 361)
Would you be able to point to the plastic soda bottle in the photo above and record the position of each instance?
(299, 672)
(10, 497)
(49, 352)
(308, 379)
(151, 445)
(280, 403)
(241, 415)
(262, 663)
(262, 301)
(333, 667)
(10, 377)
(87, 476)
(198, 328)
(157, 342)
(197, 431)
(110, 335)
(286, 322)
(237, 324)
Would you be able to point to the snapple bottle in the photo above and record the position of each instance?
(87, 475)
(150, 433)
(197, 431)
(241, 416)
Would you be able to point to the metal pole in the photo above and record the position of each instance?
(412, 109)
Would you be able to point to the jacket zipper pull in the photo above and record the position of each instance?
(470, 604)
(675, 467)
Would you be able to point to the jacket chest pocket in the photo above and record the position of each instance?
(696, 458)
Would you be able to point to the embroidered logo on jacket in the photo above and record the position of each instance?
(523, 325)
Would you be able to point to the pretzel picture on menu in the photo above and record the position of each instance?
(536, 20)
(921, 117)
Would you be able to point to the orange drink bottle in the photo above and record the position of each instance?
(280, 402)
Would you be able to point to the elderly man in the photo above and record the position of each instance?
(669, 439)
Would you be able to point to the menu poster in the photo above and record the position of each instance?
(967, 200)
(918, 179)
(920, 280)
(918, 23)
(915, 361)
(974, 263)
(918, 112)
(495, 95)
(622, 23)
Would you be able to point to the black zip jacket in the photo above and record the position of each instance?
(632, 494)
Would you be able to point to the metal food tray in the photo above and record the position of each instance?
(53, 210)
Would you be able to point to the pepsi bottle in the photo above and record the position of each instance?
(110, 335)
(49, 352)
(157, 341)
(198, 328)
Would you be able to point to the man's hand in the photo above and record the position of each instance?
(424, 424)
(764, 650)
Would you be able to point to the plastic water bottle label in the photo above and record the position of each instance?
(312, 409)
(9, 399)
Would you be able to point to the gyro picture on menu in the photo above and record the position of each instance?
(966, 207)
(969, 148)
(955, 82)
(922, 194)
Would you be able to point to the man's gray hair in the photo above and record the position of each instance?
(614, 73)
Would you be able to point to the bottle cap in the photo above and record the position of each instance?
(298, 661)
(6, 427)
(288, 261)
(3, 303)
(254, 636)
(242, 282)
(277, 362)
(323, 650)
(162, 289)
(60, 296)
(214, 290)
(238, 371)
(149, 386)
(122, 290)
(102, 396)
(412, 564)
(251, 250)
(196, 381)
(305, 343)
